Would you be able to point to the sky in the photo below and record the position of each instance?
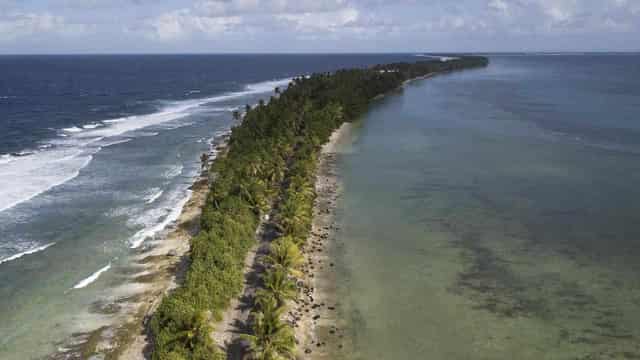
(224, 26)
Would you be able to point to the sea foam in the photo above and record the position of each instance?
(92, 278)
(72, 129)
(22, 179)
(173, 171)
(151, 231)
(150, 199)
(27, 252)
(5, 158)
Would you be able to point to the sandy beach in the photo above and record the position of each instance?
(168, 262)
(156, 269)
(314, 313)
(318, 328)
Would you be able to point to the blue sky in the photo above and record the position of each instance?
(168, 26)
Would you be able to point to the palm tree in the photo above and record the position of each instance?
(294, 216)
(272, 339)
(236, 115)
(204, 160)
(254, 193)
(285, 253)
(278, 284)
(274, 172)
(264, 301)
(304, 188)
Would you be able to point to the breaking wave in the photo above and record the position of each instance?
(25, 176)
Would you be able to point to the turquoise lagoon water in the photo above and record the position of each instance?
(495, 214)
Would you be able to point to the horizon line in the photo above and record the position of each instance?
(327, 53)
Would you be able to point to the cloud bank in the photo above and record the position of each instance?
(318, 25)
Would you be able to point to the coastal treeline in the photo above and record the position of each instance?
(270, 162)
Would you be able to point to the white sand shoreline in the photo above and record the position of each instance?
(316, 305)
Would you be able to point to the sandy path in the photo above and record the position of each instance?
(235, 320)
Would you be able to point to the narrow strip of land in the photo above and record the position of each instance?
(272, 159)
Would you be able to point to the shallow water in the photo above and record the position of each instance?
(494, 214)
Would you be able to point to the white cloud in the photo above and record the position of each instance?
(499, 5)
(17, 25)
(244, 7)
(179, 24)
(355, 19)
(559, 16)
(216, 17)
(266, 24)
(324, 21)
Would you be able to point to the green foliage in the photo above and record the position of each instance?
(189, 339)
(285, 253)
(278, 284)
(271, 155)
(271, 339)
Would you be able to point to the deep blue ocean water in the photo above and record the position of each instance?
(96, 156)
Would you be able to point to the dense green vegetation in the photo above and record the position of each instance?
(271, 159)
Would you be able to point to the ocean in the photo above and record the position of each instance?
(495, 214)
(97, 154)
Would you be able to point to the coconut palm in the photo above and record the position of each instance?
(272, 339)
(274, 171)
(294, 217)
(306, 189)
(204, 160)
(285, 253)
(277, 283)
(264, 301)
(236, 115)
(254, 167)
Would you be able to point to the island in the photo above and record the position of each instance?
(248, 283)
